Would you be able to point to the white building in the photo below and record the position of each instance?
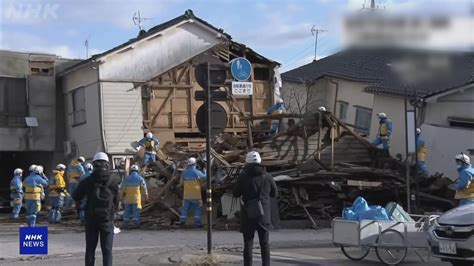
(356, 85)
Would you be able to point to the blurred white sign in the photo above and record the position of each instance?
(242, 88)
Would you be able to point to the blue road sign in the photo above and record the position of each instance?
(241, 68)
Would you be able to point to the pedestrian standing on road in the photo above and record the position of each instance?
(82, 211)
(191, 179)
(255, 186)
(465, 185)
(57, 187)
(16, 192)
(74, 171)
(133, 187)
(102, 191)
(33, 185)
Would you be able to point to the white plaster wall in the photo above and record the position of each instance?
(443, 143)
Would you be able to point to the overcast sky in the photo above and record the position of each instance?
(278, 29)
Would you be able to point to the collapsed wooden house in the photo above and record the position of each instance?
(147, 84)
(320, 166)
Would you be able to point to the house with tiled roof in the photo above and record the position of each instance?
(356, 84)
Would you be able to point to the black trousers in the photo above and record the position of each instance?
(106, 233)
(263, 238)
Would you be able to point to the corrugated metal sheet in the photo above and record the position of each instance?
(122, 121)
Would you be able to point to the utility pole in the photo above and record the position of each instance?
(315, 33)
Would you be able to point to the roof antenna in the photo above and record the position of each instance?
(315, 33)
(86, 44)
(138, 21)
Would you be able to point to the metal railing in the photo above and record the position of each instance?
(12, 120)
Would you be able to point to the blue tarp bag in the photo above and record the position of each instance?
(360, 210)
(348, 214)
(360, 205)
(374, 213)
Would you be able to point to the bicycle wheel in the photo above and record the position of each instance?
(355, 253)
(396, 251)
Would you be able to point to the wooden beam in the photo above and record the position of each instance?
(181, 75)
(156, 85)
(161, 108)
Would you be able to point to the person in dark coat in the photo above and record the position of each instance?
(102, 192)
(253, 184)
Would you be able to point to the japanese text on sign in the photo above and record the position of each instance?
(242, 88)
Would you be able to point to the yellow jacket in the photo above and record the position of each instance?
(132, 188)
(57, 185)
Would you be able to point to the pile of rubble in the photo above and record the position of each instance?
(320, 166)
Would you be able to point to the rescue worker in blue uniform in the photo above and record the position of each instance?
(82, 212)
(16, 193)
(277, 108)
(57, 187)
(133, 187)
(385, 130)
(74, 171)
(465, 185)
(421, 154)
(151, 144)
(33, 185)
(191, 179)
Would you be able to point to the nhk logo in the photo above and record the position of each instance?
(33, 240)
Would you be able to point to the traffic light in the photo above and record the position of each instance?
(217, 77)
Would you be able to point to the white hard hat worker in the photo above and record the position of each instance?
(134, 168)
(149, 135)
(418, 131)
(101, 156)
(18, 171)
(382, 115)
(192, 161)
(462, 159)
(322, 109)
(39, 169)
(253, 157)
(81, 159)
(32, 168)
(60, 167)
(89, 167)
(279, 100)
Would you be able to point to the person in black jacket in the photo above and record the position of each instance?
(252, 185)
(102, 191)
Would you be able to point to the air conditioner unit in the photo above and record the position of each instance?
(68, 145)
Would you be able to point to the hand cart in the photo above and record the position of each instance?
(391, 240)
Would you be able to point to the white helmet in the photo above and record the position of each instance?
(39, 169)
(418, 130)
(61, 167)
(192, 161)
(463, 158)
(81, 159)
(18, 171)
(89, 166)
(322, 109)
(101, 156)
(382, 115)
(32, 168)
(279, 100)
(149, 135)
(134, 168)
(253, 157)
